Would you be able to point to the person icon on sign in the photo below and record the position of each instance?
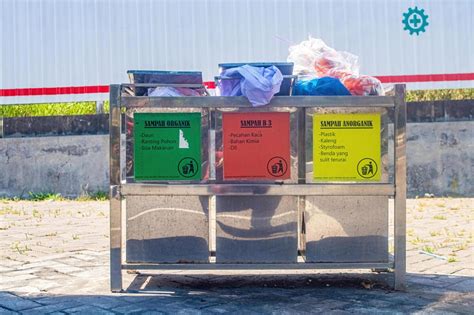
(188, 168)
(277, 168)
(368, 169)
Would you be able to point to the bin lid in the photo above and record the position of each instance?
(165, 77)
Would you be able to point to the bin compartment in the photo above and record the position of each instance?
(256, 229)
(167, 229)
(346, 229)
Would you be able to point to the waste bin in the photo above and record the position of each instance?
(172, 228)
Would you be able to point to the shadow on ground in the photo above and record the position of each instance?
(263, 294)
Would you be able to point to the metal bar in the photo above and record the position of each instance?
(241, 101)
(115, 198)
(212, 145)
(212, 179)
(400, 188)
(115, 133)
(259, 189)
(296, 266)
(301, 175)
(1, 128)
(301, 146)
(299, 103)
(99, 107)
(115, 239)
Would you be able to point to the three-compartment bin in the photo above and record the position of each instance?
(303, 183)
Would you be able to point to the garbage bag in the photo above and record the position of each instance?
(172, 91)
(363, 85)
(258, 84)
(321, 86)
(314, 57)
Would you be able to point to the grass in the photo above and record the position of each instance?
(50, 196)
(435, 233)
(8, 199)
(55, 213)
(89, 108)
(420, 209)
(51, 109)
(20, 249)
(452, 259)
(37, 214)
(428, 249)
(417, 240)
(11, 211)
(462, 246)
(95, 196)
(45, 196)
(436, 95)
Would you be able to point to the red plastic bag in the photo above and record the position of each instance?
(363, 85)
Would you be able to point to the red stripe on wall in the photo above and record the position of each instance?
(55, 90)
(211, 85)
(426, 77)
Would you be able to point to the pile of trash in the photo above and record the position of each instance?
(314, 61)
(316, 69)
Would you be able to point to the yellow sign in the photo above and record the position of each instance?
(346, 147)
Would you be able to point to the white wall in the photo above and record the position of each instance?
(50, 43)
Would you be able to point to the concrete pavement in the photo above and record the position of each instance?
(54, 259)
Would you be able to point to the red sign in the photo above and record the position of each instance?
(256, 145)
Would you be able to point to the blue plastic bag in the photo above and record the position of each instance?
(320, 86)
(257, 84)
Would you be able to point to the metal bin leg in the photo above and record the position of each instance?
(115, 197)
(115, 240)
(400, 188)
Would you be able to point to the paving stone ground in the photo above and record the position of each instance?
(54, 259)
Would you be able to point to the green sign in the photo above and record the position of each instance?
(167, 146)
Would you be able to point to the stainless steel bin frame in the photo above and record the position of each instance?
(119, 187)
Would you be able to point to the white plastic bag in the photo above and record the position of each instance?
(314, 57)
(172, 91)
